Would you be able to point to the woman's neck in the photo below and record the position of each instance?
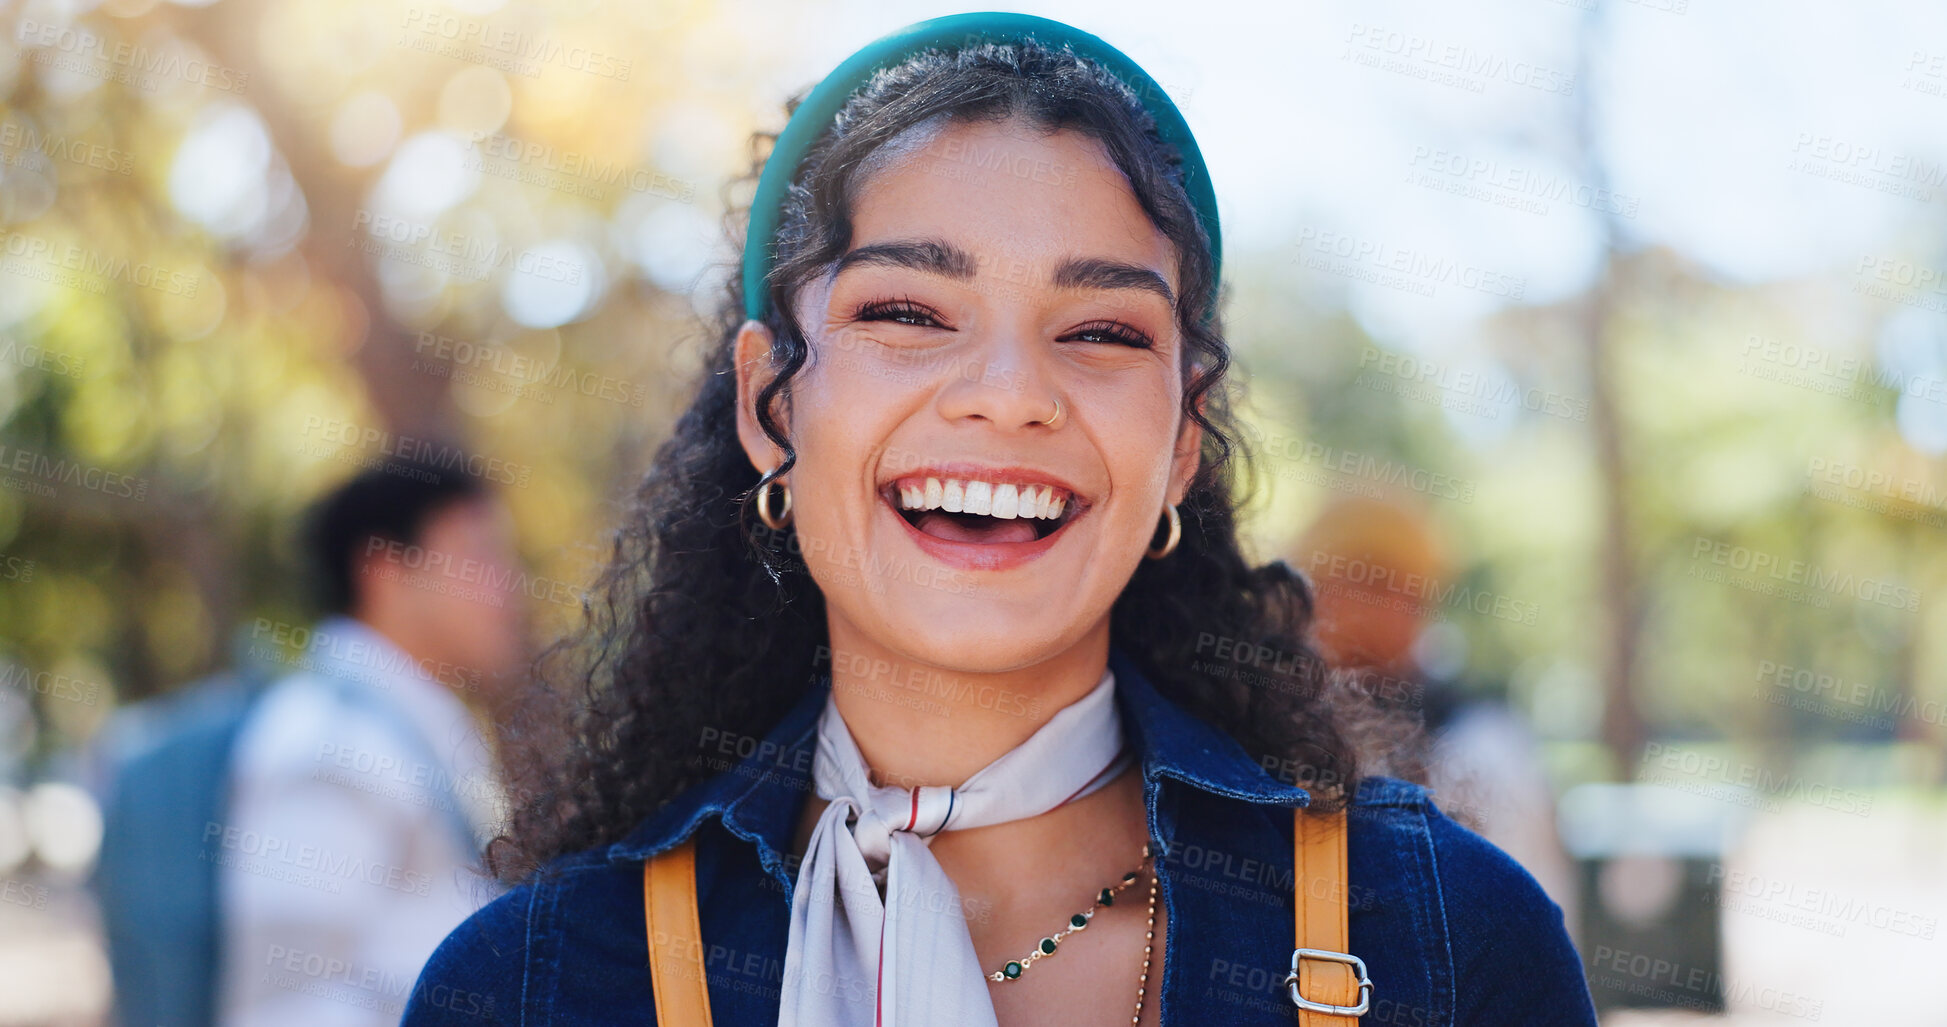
(922, 725)
(919, 724)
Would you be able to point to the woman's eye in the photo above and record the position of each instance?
(899, 312)
(1120, 334)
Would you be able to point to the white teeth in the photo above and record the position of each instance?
(1004, 501)
(980, 498)
(1007, 502)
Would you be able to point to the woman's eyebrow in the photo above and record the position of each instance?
(938, 257)
(929, 255)
(1097, 273)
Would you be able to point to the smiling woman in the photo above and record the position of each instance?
(931, 644)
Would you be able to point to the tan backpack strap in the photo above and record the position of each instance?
(675, 938)
(1327, 983)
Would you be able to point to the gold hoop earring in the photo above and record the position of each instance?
(783, 518)
(1176, 535)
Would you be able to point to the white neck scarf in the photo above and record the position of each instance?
(856, 960)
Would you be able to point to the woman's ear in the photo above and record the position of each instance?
(754, 371)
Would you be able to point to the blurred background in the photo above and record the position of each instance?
(1595, 352)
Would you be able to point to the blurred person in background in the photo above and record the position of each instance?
(1374, 563)
(289, 850)
(362, 787)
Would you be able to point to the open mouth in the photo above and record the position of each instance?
(982, 512)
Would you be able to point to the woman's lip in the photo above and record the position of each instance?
(980, 556)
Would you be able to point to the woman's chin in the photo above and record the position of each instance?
(936, 659)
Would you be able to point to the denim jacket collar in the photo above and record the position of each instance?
(759, 797)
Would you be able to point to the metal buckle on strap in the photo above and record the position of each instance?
(1358, 967)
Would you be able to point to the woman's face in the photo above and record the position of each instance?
(993, 270)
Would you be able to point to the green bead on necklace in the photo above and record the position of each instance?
(1014, 968)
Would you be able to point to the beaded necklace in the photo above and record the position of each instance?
(1014, 968)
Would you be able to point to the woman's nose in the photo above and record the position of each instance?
(1003, 380)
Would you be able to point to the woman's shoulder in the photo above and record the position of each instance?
(477, 974)
(1512, 958)
(488, 967)
(1387, 809)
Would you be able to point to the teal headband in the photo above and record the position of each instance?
(822, 106)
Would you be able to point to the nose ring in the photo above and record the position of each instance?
(1054, 418)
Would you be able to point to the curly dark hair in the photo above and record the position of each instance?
(706, 625)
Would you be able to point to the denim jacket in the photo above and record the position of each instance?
(1452, 931)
